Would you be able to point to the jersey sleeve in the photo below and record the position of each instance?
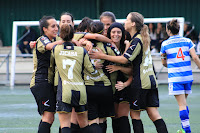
(162, 49)
(42, 42)
(191, 44)
(133, 50)
(87, 62)
(112, 50)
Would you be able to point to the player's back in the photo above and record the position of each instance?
(178, 58)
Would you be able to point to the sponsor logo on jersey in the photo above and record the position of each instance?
(147, 70)
(68, 53)
(45, 39)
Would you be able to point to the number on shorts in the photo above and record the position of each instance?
(71, 63)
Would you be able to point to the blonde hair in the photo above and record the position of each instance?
(142, 28)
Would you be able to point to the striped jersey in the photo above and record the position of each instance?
(178, 58)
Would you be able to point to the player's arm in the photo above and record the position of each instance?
(88, 44)
(87, 63)
(195, 57)
(77, 43)
(97, 37)
(100, 55)
(49, 46)
(121, 85)
(164, 59)
(113, 68)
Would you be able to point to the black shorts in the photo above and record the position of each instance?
(66, 108)
(100, 102)
(121, 96)
(45, 97)
(145, 98)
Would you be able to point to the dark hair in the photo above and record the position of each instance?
(173, 26)
(43, 23)
(66, 32)
(108, 14)
(96, 27)
(121, 27)
(69, 14)
(154, 27)
(84, 24)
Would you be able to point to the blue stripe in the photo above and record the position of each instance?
(170, 56)
(180, 74)
(175, 45)
(179, 64)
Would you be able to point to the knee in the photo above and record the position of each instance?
(48, 117)
(154, 116)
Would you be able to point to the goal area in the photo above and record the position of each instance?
(16, 24)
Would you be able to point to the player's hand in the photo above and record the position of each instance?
(77, 43)
(112, 68)
(98, 65)
(120, 85)
(32, 44)
(89, 46)
(96, 54)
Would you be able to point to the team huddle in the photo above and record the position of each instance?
(104, 69)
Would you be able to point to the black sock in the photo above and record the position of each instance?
(160, 126)
(65, 130)
(44, 127)
(103, 126)
(59, 131)
(124, 125)
(137, 126)
(94, 128)
(115, 125)
(75, 128)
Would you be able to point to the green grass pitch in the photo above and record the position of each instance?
(18, 111)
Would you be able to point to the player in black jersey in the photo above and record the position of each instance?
(43, 76)
(120, 123)
(99, 89)
(144, 85)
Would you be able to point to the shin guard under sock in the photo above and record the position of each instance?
(160, 126)
(137, 126)
(115, 125)
(184, 116)
(103, 126)
(59, 131)
(75, 128)
(188, 109)
(65, 130)
(44, 127)
(124, 125)
(94, 128)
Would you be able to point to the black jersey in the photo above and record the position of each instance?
(43, 70)
(143, 74)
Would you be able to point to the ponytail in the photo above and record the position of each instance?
(145, 37)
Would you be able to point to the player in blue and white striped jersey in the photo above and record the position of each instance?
(175, 53)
